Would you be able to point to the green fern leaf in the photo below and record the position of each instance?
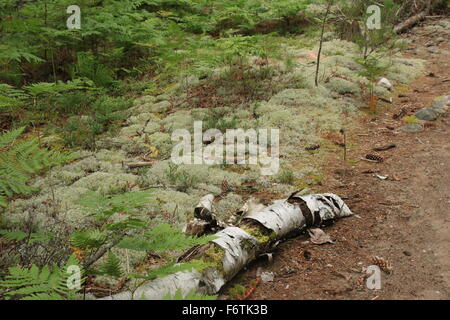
(87, 239)
(172, 268)
(190, 296)
(39, 284)
(10, 136)
(163, 238)
(13, 235)
(112, 266)
(19, 160)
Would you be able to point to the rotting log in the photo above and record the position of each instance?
(236, 246)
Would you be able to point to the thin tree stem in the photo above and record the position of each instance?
(321, 41)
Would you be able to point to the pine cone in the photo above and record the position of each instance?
(384, 265)
(374, 157)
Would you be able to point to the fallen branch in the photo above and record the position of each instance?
(142, 164)
(431, 5)
(411, 22)
(236, 246)
(384, 148)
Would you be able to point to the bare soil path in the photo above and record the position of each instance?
(405, 219)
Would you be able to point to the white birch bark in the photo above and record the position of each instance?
(283, 217)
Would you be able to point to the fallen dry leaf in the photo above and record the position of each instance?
(318, 236)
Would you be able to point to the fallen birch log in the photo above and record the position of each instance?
(236, 246)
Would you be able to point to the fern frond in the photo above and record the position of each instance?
(10, 136)
(3, 201)
(112, 266)
(94, 201)
(88, 239)
(177, 267)
(17, 235)
(19, 160)
(13, 235)
(163, 238)
(40, 284)
(190, 296)
(172, 268)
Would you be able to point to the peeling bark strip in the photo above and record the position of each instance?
(204, 219)
(236, 246)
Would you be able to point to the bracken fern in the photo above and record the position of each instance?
(19, 160)
(40, 284)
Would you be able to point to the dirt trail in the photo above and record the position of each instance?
(404, 219)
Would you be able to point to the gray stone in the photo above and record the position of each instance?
(412, 128)
(433, 50)
(426, 114)
(441, 103)
(385, 83)
(440, 111)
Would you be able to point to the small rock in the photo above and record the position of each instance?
(442, 103)
(407, 253)
(412, 128)
(433, 49)
(426, 114)
(385, 83)
(267, 276)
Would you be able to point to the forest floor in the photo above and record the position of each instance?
(403, 219)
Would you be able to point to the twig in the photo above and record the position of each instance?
(100, 252)
(330, 3)
(384, 148)
(132, 165)
(368, 160)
